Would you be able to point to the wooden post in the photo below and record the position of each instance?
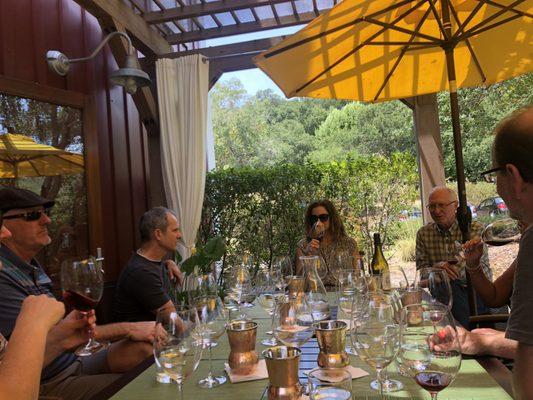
(429, 147)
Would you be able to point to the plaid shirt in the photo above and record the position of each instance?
(18, 280)
(434, 244)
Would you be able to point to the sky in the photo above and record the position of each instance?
(253, 79)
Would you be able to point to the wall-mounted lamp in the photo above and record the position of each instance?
(131, 76)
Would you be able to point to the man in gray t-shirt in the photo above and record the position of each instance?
(513, 165)
(520, 325)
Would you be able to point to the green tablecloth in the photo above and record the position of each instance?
(472, 382)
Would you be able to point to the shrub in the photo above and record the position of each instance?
(406, 249)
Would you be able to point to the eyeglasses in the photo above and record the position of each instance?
(321, 217)
(440, 206)
(30, 215)
(490, 175)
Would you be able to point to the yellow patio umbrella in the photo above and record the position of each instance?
(21, 156)
(378, 50)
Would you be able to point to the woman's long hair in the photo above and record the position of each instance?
(336, 226)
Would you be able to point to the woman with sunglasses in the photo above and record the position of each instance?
(324, 236)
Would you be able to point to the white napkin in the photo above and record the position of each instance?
(329, 375)
(260, 372)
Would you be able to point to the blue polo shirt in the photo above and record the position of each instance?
(18, 280)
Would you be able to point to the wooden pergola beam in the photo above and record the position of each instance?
(149, 41)
(245, 27)
(226, 49)
(198, 10)
(229, 64)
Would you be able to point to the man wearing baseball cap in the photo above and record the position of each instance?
(26, 215)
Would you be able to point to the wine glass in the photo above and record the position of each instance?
(331, 383)
(376, 336)
(267, 300)
(239, 289)
(436, 283)
(213, 319)
(292, 322)
(314, 289)
(176, 346)
(429, 346)
(280, 268)
(82, 283)
(198, 285)
(317, 231)
(501, 232)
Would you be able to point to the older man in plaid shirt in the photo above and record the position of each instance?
(435, 246)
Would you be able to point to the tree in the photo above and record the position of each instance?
(360, 129)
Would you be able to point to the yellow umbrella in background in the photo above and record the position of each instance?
(21, 156)
(378, 50)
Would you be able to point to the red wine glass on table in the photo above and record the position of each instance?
(429, 346)
(83, 283)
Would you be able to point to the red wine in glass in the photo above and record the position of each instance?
(501, 232)
(83, 283)
(433, 382)
(78, 301)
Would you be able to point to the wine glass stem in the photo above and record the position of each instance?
(210, 362)
(433, 395)
(180, 390)
(380, 382)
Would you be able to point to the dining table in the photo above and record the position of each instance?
(479, 378)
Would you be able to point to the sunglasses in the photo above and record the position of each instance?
(321, 217)
(30, 215)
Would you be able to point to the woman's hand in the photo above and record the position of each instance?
(313, 246)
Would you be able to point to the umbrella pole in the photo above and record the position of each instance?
(464, 215)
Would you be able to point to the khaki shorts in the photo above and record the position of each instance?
(84, 378)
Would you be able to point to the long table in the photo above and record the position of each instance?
(485, 378)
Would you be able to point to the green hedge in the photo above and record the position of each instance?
(260, 211)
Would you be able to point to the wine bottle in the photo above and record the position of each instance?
(379, 265)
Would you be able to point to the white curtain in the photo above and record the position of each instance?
(182, 92)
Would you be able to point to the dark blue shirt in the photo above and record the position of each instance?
(18, 280)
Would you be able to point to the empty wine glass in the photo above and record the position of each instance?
(314, 289)
(198, 285)
(501, 232)
(429, 346)
(331, 383)
(176, 346)
(280, 268)
(240, 289)
(82, 283)
(292, 322)
(376, 336)
(213, 319)
(435, 282)
(267, 300)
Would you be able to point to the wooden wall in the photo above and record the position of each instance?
(28, 28)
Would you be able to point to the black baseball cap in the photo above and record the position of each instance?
(12, 198)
